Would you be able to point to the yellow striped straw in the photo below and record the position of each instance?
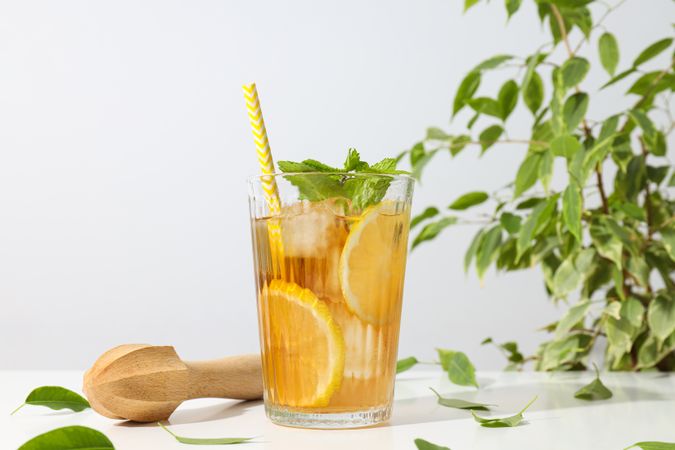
(262, 146)
(269, 185)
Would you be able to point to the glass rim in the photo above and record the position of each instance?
(401, 176)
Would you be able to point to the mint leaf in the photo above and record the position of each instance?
(460, 403)
(55, 397)
(363, 191)
(70, 438)
(205, 441)
(510, 421)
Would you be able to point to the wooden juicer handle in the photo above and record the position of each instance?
(147, 383)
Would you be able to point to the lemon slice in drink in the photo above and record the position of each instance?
(372, 265)
(308, 354)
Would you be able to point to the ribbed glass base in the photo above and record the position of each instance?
(353, 419)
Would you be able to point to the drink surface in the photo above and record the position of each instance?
(329, 303)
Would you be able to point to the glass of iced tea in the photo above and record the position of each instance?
(329, 267)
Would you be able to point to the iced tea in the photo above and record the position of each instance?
(329, 283)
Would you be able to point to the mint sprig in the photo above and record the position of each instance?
(361, 191)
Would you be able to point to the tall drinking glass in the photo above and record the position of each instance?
(329, 267)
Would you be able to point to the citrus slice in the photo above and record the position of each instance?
(305, 349)
(372, 265)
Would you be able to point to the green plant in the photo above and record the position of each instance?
(606, 238)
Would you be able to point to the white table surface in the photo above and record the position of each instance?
(643, 408)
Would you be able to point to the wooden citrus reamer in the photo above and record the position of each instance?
(146, 383)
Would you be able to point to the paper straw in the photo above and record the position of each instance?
(269, 185)
(262, 146)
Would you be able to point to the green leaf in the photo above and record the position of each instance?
(574, 71)
(533, 223)
(512, 7)
(572, 206)
(650, 83)
(417, 152)
(510, 421)
(467, 88)
(507, 98)
(352, 162)
(468, 200)
(633, 311)
(468, 4)
(619, 77)
(489, 136)
(567, 278)
(471, 251)
(486, 105)
(421, 162)
(205, 441)
(546, 169)
(458, 143)
(460, 403)
(651, 51)
(487, 250)
(619, 335)
(652, 445)
(460, 370)
(436, 134)
(432, 230)
(606, 242)
(424, 215)
(643, 121)
(565, 145)
(405, 364)
(661, 317)
(492, 62)
(533, 93)
(573, 316)
(527, 174)
(55, 397)
(510, 222)
(574, 110)
(609, 52)
(668, 237)
(595, 390)
(421, 444)
(69, 438)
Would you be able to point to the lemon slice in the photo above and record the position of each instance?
(306, 354)
(372, 265)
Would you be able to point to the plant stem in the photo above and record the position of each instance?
(20, 406)
(648, 195)
(563, 31)
(584, 123)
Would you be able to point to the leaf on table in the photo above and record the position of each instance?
(460, 403)
(55, 397)
(205, 441)
(653, 445)
(595, 390)
(503, 422)
(405, 364)
(70, 438)
(421, 444)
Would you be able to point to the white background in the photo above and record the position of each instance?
(124, 148)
